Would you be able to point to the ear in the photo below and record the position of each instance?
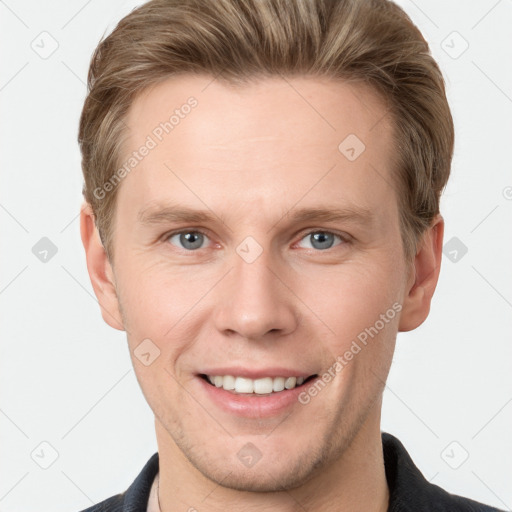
(99, 268)
(423, 277)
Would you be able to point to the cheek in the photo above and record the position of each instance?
(361, 306)
(155, 297)
(168, 307)
(353, 298)
(163, 303)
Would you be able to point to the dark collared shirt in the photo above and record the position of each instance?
(409, 491)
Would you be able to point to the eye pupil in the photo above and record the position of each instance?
(191, 240)
(322, 240)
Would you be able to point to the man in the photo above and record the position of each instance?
(262, 184)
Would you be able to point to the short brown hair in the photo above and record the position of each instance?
(366, 41)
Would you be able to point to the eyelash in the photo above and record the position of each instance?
(345, 239)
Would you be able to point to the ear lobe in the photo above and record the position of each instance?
(99, 268)
(424, 276)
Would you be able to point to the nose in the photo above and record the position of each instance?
(255, 300)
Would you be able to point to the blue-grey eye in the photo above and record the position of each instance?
(321, 240)
(189, 240)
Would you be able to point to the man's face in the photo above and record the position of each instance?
(256, 291)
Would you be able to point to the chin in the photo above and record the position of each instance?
(264, 478)
(275, 470)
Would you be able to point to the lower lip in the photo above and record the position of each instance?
(253, 405)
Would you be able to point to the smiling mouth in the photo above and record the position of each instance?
(264, 386)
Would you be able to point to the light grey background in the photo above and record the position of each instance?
(66, 377)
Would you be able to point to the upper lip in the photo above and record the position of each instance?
(254, 373)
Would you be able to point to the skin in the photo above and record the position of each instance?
(253, 154)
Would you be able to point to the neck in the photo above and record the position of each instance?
(356, 481)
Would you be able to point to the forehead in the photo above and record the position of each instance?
(271, 143)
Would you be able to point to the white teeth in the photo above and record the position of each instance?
(278, 384)
(290, 382)
(243, 385)
(228, 382)
(261, 386)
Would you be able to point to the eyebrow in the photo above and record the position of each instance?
(155, 215)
